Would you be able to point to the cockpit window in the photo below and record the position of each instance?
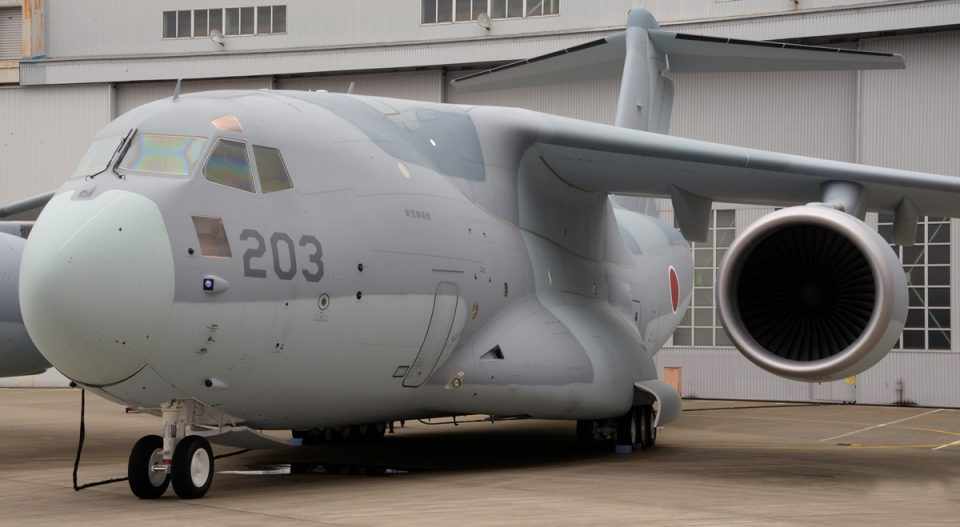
(97, 157)
(229, 165)
(160, 154)
(271, 169)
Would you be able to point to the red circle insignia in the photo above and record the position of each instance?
(674, 288)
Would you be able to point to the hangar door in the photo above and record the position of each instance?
(10, 28)
(133, 94)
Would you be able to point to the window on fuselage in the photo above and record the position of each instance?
(163, 155)
(271, 169)
(229, 165)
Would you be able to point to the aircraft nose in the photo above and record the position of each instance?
(96, 284)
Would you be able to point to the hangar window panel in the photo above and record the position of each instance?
(215, 18)
(551, 7)
(701, 325)
(480, 7)
(534, 7)
(247, 20)
(271, 169)
(169, 24)
(163, 155)
(232, 18)
(184, 24)
(228, 165)
(499, 9)
(445, 11)
(515, 8)
(927, 268)
(462, 10)
(264, 22)
(200, 26)
(428, 10)
(212, 237)
(279, 19)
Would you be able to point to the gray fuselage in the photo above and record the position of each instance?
(418, 267)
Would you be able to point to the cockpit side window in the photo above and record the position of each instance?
(162, 154)
(271, 169)
(228, 165)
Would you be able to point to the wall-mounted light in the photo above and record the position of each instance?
(216, 37)
(483, 20)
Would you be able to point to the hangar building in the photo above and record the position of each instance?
(68, 67)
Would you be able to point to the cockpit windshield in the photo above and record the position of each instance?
(161, 154)
(97, 157)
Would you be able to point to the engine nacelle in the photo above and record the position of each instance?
(812, 294)
(18, 355)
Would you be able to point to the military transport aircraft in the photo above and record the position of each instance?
(238, 261)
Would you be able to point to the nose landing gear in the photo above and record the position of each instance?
(191, 470)
(185, 460)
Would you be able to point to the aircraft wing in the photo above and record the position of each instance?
(602, 158)
(25, 205)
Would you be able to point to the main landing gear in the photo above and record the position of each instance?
(180, 458)
(634, 430)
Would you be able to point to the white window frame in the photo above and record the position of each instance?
(223, 21)
(716, 256)
(273, 19)
(453, 5)
(925, 230)
(176, 25)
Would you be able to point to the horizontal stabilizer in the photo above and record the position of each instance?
(696, 53)
(604, 58)
(590, 60)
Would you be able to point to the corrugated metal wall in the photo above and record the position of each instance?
(808, 113)
(11, 28)
(425, 85)
(43, 133)
(593, 100)
(133, 94)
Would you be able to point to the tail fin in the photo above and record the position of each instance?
(646, 95)
(647, 53)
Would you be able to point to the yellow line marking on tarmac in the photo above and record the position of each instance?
(934, 430)
(945, 445)
(881, 425)
(861, 445)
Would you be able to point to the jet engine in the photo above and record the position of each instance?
(813, 294)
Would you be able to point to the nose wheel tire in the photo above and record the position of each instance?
(628, 430)
(146, 483)
(192, 467)
(648, 432)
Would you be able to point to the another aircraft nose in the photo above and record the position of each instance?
(96, 284)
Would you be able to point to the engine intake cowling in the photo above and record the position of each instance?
(812, 294)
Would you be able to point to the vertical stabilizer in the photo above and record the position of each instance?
(646, 95)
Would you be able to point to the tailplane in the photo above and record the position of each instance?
(647, 55)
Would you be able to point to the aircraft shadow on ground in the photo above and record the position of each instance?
(474, 451)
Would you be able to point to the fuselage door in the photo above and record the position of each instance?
(438, 334)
